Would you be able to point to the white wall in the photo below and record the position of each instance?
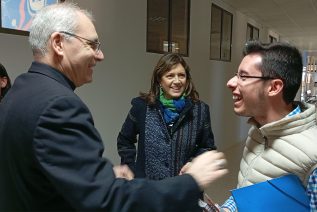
(127, 69)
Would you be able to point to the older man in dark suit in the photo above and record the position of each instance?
(50, 151)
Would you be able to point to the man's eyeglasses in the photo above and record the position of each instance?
(244, 77)
(95, 45)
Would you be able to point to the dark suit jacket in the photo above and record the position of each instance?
(51, 156)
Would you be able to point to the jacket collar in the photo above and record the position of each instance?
(51, 72)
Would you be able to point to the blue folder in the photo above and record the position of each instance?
(281, 194)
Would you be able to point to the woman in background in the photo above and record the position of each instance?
(169, 124)
(5, 83)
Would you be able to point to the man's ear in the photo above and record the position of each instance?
(3, 82)
(57, 43)
(275, 87)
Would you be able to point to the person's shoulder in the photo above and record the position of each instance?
(138, 101)
(138, 106)
(67, 101)
(200, 103)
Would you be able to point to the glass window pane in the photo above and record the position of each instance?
(157, 25)
(272, 39)
(179, 29)
(252, 33)
(249, 32)
(226, 36)
(255, 33)
(215, 34)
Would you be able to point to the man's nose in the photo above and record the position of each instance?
(99, 55)
(232, 82)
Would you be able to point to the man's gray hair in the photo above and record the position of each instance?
(53, 18)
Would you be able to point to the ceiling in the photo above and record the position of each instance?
(294, 20)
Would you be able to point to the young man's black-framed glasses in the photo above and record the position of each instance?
(95, 45)
(244, 77)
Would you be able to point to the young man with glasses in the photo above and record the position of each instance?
(282, 138)
(51, 152)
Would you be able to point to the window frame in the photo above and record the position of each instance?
(272, 39)
(168, 43)
(217, 41)
(252, 29)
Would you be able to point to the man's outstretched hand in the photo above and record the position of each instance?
(206, 168)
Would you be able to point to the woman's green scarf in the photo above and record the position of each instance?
(171, 107)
